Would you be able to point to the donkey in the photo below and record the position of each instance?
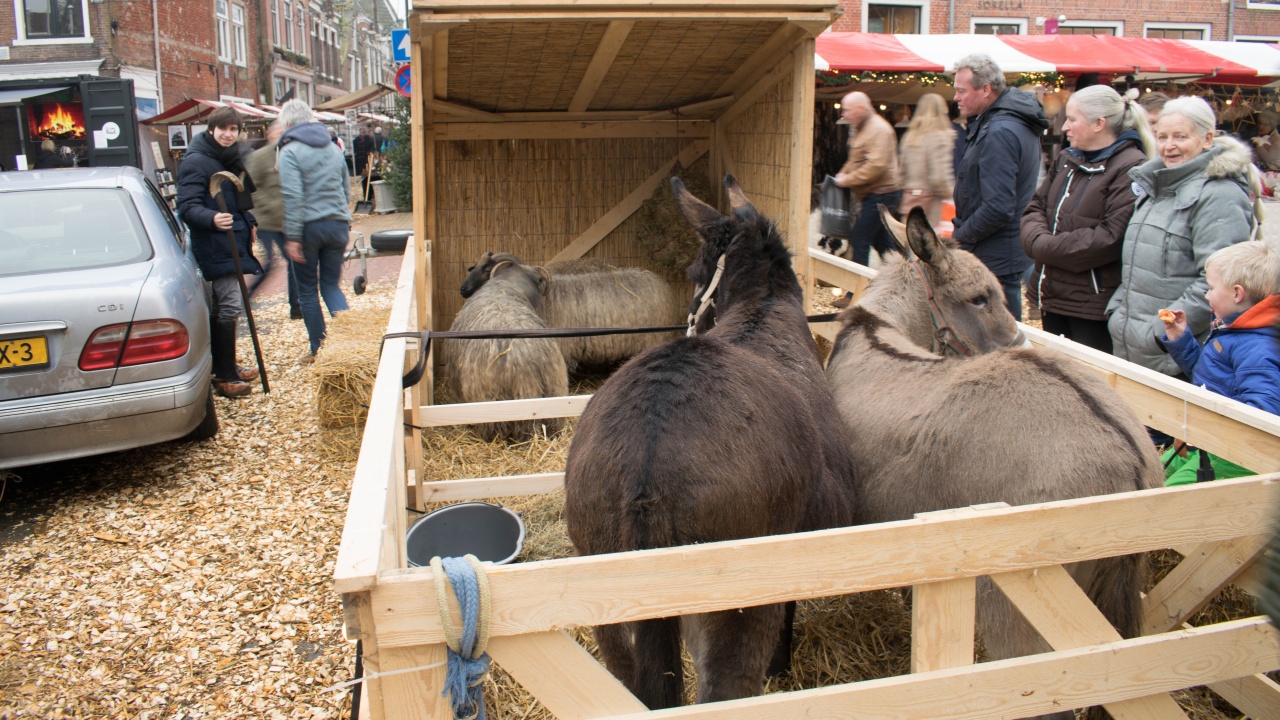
(1014, 425)
(717, 436)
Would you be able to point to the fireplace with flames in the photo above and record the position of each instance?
(56, 121)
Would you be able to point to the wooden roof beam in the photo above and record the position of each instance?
(578, 6)
(761, 60)
(463, 111)
(690, 109)
(610, 44)
(443, 22)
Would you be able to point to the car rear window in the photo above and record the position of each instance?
(71, 229)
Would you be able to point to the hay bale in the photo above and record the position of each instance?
(663, 232)
(347, 365)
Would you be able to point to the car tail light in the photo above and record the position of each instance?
(135, 344)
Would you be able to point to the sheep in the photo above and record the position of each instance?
(510, 369)
(478, 274)
(593, 293)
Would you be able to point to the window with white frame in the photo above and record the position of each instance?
(1257, 38)
(275, 23)
(51, 21)
(353, 63)
(896, 16)
(1092, 27)
(288, 26)
(302, 29)
(1261, 5)
(238, 38)
(222, 15)
(998, 26)
(280, 87)
(1177, 31)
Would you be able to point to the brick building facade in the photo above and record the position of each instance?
(207, 49)
(1183, 19)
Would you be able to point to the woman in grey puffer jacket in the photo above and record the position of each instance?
(1199, 195)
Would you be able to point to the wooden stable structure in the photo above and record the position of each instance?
(541, 128)
(1221, 528)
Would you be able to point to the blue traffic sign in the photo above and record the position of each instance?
(400, 46)
(404, 85)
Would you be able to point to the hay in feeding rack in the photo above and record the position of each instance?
(347, 365)
(663, 232)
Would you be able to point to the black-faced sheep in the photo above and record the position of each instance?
(510, 369)
(595, 294)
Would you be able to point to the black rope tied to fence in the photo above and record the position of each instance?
(425, 338)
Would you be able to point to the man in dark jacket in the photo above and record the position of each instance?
(362, 146)
(210, 152)
(997, 174)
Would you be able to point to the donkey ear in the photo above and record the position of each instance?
(737, 199)
(924, 241)
(897, 230)
(699, 214)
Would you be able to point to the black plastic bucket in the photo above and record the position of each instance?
(490, 532)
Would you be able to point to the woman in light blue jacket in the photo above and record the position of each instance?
(1198, 195)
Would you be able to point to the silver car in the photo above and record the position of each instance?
(104, 325)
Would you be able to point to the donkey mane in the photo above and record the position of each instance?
(861, 319)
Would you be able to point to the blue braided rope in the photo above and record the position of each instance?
(464, 679)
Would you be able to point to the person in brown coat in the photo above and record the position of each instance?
(924, 156)
(1074, 227)
(871, 171)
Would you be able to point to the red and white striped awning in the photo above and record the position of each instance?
(1208, 61)
(320, 115)
(194, 111)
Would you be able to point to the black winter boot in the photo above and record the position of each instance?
(222, 344)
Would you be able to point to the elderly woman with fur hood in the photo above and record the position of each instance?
(1198, 195)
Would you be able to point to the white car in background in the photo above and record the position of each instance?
(104, 324)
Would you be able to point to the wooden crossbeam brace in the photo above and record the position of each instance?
(1065, 617)
(564, 677)
(463, 111)
(748, 97)
(760, 60)
(610, 45)
(629, 204)
(690, 109)
(572, 130)
(1196, 580)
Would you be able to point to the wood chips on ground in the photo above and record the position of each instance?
(188, 580)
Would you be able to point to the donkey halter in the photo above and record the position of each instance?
(707, 300)
(944, 338)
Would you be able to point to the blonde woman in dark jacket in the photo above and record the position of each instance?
(924, 158)
(1073, 230)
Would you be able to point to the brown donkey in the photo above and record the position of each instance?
(1016, 425)
(723, 435)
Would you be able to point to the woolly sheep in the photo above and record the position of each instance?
(509, 369)
(591, 293)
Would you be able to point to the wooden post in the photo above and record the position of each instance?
(802, 83)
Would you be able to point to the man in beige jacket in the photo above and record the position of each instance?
(871, 171)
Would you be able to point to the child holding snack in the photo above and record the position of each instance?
(1241, 355)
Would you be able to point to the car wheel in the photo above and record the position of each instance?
(208, 427)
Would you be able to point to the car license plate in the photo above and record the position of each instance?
(23, 353)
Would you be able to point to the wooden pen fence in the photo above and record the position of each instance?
(1220, 528)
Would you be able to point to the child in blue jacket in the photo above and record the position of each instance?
(1241, 355)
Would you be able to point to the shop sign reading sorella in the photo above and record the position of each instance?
(1000, 4)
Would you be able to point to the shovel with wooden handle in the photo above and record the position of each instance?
(215, 189)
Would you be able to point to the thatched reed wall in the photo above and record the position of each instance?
(758, 144)
(533, 197)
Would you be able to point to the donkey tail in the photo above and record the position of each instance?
(1115, 590)
(659, 671)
